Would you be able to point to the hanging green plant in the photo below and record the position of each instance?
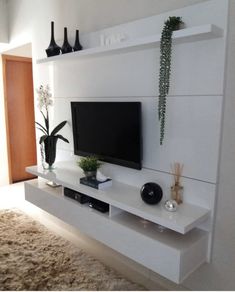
(171, 24)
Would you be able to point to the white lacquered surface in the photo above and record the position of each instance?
(167, 253)
(202, 32)
(126, 198)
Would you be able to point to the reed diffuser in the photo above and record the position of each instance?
(177, 189)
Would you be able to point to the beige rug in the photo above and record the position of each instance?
(32, 258)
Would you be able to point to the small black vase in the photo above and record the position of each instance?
(77, 46)
(66, 48)
(53, 48)
(50, 150)
(151, 193)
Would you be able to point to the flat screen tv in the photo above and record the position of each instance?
(109, 130)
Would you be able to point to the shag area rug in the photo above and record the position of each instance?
(32, 258)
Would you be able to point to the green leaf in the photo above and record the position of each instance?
(42, 139)
(46, 120)
(42, 128)
(171, 24)
(58, 128)
(62, 138)
(89, 163)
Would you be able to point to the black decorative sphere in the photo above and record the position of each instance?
(151, 193)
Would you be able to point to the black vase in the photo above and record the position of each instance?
(151, 193)
(53, 48)
(77, 46)
(66, 48)
(50, 149)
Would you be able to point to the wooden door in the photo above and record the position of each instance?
(19, 106)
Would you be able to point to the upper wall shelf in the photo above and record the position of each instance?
(192, 34)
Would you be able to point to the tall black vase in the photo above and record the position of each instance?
(77, 46)
(50, 150)
(66, 48)
(53, 48)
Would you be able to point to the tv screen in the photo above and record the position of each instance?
(109, 130)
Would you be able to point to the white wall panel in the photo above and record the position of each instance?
(192, 127)
(194, 105)
(197, 69)
(108, 76)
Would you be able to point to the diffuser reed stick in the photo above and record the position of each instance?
(177, 189)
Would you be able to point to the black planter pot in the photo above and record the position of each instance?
(53, 48)
(90, 174)
(66, 48)
(77, 46)
(50, 149)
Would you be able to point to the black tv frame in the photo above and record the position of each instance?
(106, 158)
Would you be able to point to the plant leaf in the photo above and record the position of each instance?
(42, 128)
(46, 120)
(42, 139)
(62, 138)
(58, 128)
(171, 24)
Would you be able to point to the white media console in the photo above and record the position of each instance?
(195, 107)
(131, 227)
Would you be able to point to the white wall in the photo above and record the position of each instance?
(3, 22)
(30, 24)
(88, 15)
(225, 231)
(220, 274)
(22, 51)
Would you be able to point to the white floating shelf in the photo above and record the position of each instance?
(168, 253)
(127, 198)
(191, 34)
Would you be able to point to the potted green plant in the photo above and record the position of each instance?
(89, 165)
(48, 141)
(171, 24)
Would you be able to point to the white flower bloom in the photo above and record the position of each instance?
(44, 97)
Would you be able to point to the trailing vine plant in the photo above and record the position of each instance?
(171, 24)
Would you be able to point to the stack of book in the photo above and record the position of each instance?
(96, 184)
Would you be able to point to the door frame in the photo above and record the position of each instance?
(6, 58)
